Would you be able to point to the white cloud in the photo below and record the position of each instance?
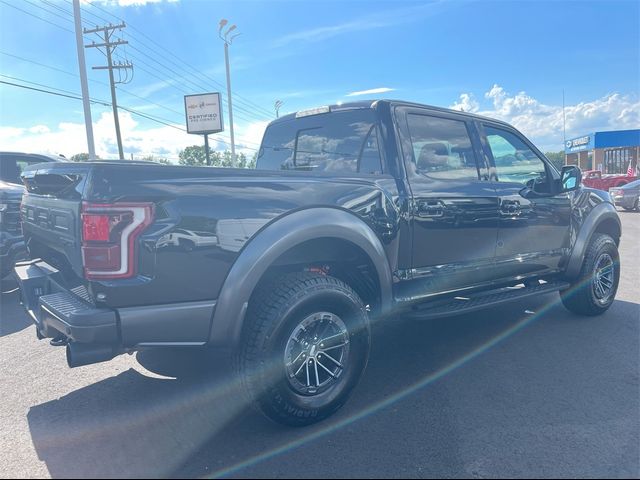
(543, 123)
(372, 91)
(377, 20)
(250, 135)
(10, 132)
(39, 129)
(466, 103)
(69, 138)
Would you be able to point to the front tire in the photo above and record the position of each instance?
(595, 288)
(636, 206)
(305, 347)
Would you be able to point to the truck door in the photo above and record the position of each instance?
(534, 222)
(453, 214)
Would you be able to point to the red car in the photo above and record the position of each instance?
(595, 179)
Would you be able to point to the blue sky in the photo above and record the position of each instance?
(509, 60)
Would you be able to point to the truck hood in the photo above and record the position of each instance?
(11, 191)
(603, 195)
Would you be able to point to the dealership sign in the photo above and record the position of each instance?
(203, 113)
(578, 144)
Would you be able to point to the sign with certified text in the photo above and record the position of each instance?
(204, 113)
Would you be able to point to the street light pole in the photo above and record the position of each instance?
(277, 106)
(228, 41)
(233, 143)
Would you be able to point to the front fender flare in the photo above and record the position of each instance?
(600, 213)
(274, 240)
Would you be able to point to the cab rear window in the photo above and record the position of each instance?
(337, 142)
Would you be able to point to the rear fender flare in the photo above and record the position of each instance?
(274, 240)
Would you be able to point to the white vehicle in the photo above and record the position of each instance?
(188, 239)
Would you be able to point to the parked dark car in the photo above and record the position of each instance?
(627, 196)
(356, 213)
(11, 189)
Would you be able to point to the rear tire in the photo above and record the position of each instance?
(595, 289)
(305, 347)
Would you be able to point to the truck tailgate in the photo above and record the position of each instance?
(51, 214)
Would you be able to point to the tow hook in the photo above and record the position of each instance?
(59, 341)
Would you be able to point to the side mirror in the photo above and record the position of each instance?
(570, 178)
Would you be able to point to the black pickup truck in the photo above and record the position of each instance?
(11, 189)
(356, 213)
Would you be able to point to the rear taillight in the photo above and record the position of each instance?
(109, 234)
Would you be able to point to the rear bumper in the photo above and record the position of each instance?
(60, 311)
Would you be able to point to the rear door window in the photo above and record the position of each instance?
(442, 148)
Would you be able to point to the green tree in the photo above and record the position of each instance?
(195, 156)
(81, 157)
(557, 158)
(151, 158)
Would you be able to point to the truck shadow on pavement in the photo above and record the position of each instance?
(183, 414)
(12, 317)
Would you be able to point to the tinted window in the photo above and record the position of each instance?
(514, 160)
(339, 142)
(632, 185)
(11, 166)
(442, 148)
(10, 170)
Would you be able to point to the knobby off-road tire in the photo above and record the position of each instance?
(595, 289)
(304, 348)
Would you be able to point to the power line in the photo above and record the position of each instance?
(174, 73)
(104, 84)
(110, 45)
(242, 99)
(252, 117)
(37, 16)
(56, 7)
(130, 93)
(91, 80)
(67, 94)
(252, 114)
(50, 12)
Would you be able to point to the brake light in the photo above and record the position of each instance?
(109, 234)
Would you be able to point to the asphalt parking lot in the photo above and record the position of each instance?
(523, 390)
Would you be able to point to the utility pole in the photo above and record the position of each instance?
(82, 66)
(109, 47)
(228, 40)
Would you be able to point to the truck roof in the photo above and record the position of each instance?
(364, 104)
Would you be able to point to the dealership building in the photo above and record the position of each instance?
(609, 152)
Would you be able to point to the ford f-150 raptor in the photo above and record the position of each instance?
(356, 212)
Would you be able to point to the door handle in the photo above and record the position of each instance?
(431, 208)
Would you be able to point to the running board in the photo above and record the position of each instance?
(477, 301)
